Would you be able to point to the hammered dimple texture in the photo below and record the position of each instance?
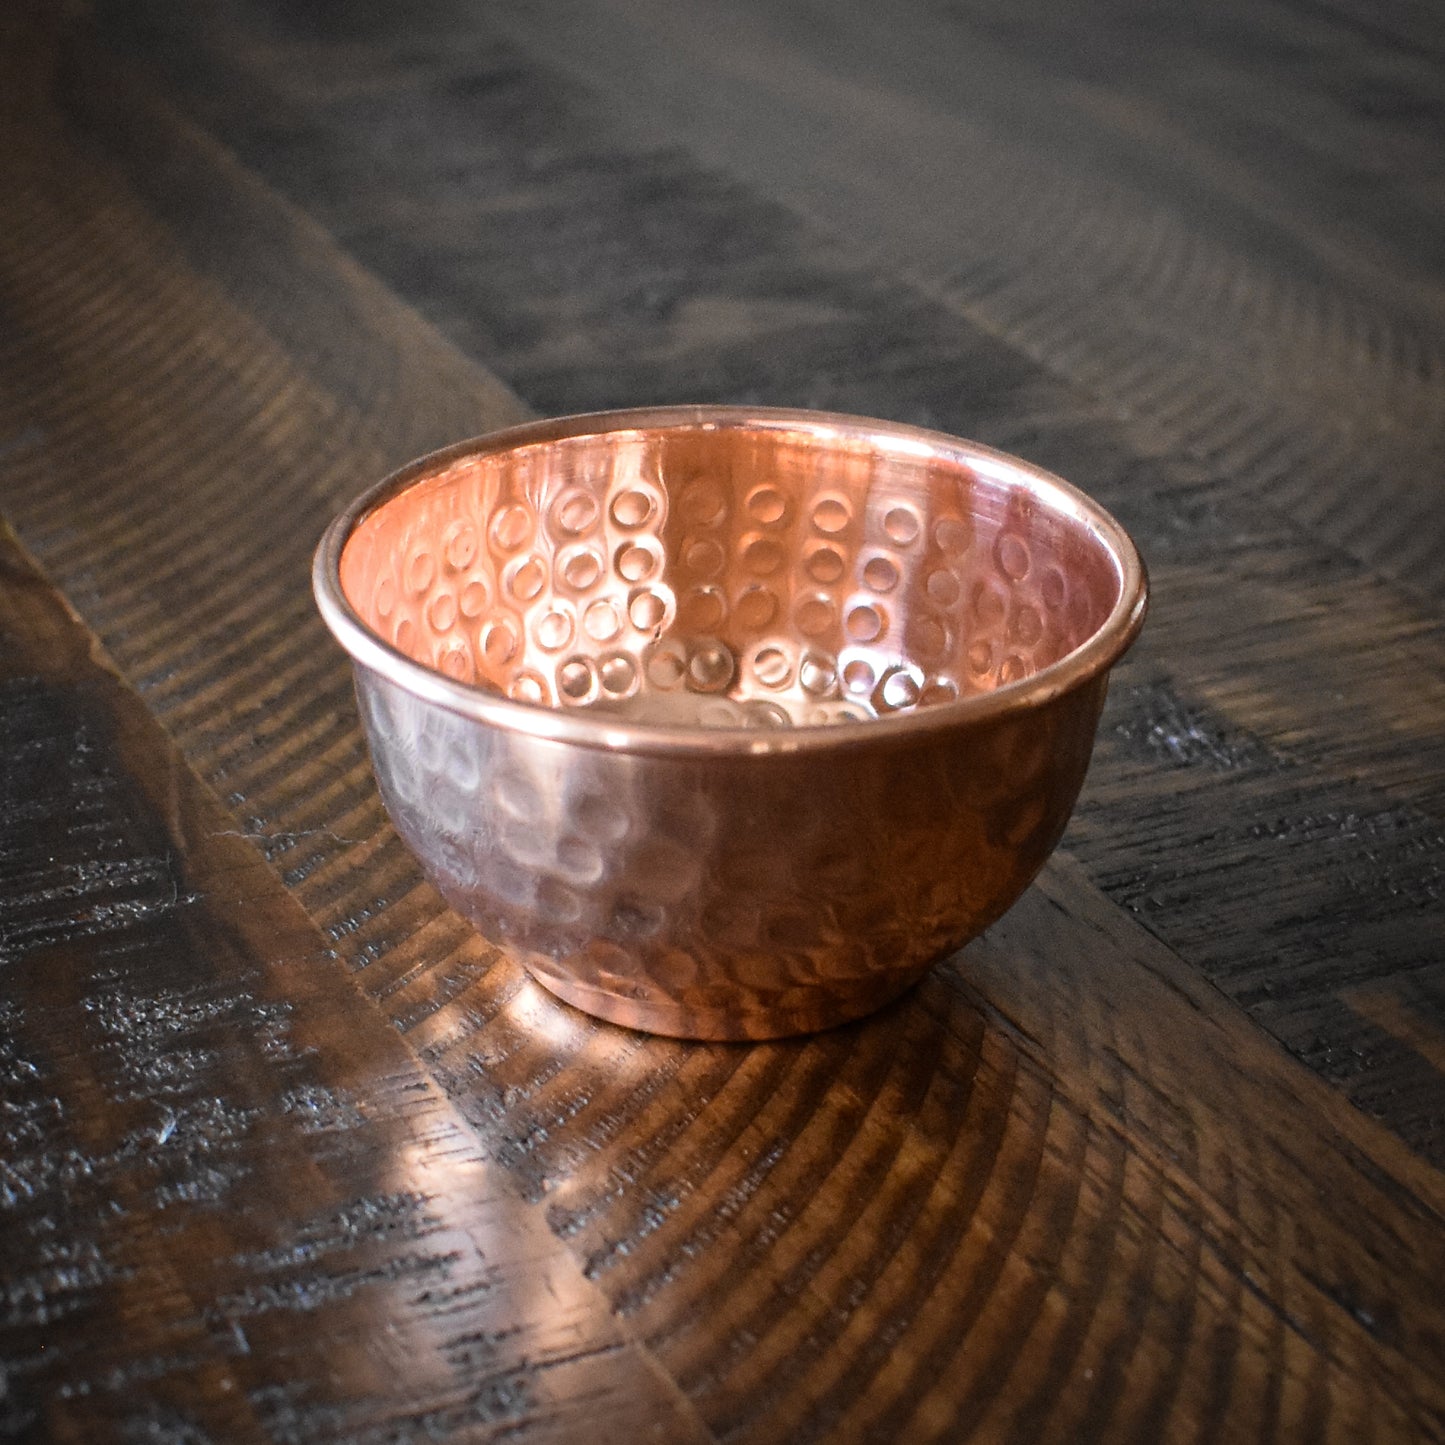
(694, 577)
(720, 576)
(742, 897)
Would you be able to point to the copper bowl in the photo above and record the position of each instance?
(726, 722)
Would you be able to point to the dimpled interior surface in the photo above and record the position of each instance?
(716, 577)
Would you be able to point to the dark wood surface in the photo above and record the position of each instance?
(287, 1153)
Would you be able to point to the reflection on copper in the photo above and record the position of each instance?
(727, 723)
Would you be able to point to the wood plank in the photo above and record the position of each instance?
(1064, 1190)
(1269, 792)
(1225, 230)
(232, 1205)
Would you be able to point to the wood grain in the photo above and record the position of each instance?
(1066, 1190)
(1214, 227)
(1276, 821)
(233, 1204)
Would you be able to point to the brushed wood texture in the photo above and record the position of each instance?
(1071, 1188)
(1269, 796)
(233, 1205)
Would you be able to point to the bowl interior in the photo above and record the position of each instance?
(731, 576)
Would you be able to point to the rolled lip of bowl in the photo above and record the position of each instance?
(1097, 654)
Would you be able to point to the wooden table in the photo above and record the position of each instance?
(286, 1153)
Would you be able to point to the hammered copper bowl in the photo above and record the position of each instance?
(728, 723)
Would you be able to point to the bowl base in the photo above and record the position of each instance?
(734, 1024)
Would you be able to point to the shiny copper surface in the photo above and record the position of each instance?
(728, 723)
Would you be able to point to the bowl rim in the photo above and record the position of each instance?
(1093, 657)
